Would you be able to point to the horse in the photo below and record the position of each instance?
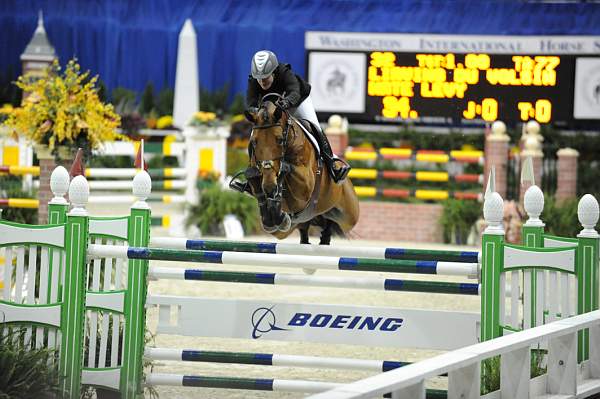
(288, 178)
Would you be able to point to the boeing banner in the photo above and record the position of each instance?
(354, 325)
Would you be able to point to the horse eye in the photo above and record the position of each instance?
(279, 140)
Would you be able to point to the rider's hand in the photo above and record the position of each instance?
(284, 103)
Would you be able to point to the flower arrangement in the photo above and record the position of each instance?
(165, 122)
(5, 111)
(63, 109)
(202, 118)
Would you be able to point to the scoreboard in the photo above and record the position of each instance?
(517, 82)
(467, 86)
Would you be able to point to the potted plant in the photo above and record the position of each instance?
(61, 109)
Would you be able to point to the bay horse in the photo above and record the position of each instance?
(293, 188)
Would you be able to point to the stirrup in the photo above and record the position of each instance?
(339, 174)
(241, 186)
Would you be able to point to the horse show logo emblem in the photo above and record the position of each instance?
(587, 89)
(338, 81)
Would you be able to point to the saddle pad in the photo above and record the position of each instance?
(309, 135)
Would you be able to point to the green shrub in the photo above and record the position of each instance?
(164, 101)
(121, 96)
(26, 372)
(237, 159)
(147, 101)
(561, 217)
(457, 219)
(216, 202)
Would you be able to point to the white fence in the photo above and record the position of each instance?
(564, 379)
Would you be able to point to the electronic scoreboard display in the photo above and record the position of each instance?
(515, 82)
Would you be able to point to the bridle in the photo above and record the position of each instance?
(285, 166)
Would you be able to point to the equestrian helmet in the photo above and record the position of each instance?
(264, 63)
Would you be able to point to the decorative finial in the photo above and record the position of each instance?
(142, 182)
(491, 185)
(77, 167)
(79, 192)
(588, 213)
(527, 175)
(493, 213)
(533, 201)
(59, 184)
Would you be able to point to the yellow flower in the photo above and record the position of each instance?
(61, 107)
(6, 109)
(238, 118)
(202, 118)
(164, 122)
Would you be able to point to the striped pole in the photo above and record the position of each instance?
(253, 384)
(366, 191)
(426, 175)
(19, 203)
(256, 384)
(130, 199)
(276, 260)
(131, 172)
(421, 155)
(126, 184)
(308, 249)
(20, 170)
(268, 359)
(369, 283)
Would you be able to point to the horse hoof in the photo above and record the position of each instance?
(286, 224)
(269, 229)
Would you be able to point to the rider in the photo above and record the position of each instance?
(269, 76)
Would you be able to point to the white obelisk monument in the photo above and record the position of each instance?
(186, 80)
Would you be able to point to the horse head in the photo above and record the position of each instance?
(268, 148)
(269, 142)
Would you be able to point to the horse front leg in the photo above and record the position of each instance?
(326, 233)
(303, 228)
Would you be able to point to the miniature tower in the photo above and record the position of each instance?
(39, 53)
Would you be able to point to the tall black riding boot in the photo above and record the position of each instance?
(338, 173)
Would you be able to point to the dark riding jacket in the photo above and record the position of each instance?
(285, 81)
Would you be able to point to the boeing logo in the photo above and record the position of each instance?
(264, 321)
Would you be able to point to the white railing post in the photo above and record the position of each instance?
(515, 372)
(562, 365)
(416, 391)
(465, 383)
(594, 361)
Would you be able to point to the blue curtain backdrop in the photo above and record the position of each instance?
(130, 43)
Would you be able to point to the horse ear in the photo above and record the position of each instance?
(250, 115)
